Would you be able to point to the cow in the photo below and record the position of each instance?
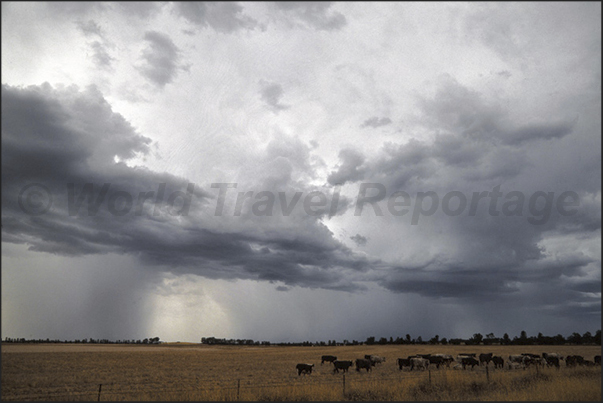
(516, 358)
(552, 361)
(328, 358)
(485, 358)
(435, 359)
(469, 361)
(363, 363)
(528, 360)
(343, 365)
(446, 359)
(304, 368)
(573, 360)
(499, 362)
(403, 362)
(374, 359)
(597, 359)
(418, 362)
(545, 355)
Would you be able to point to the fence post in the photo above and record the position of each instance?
(487, 374)
(344, 385)
(429, 370)
(99, 391)
(238, 388)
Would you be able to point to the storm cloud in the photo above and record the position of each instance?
(348, 169)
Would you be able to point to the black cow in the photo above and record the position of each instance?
(499, 362)
(469, 361)
(328, 358)
(552, 361)
(363, 363)
(404, 362)
(435, 359)
(343, 365)
(573, 360)
(598, 359)
(304, 368)
(485, 358)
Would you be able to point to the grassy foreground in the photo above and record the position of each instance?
(216, 373)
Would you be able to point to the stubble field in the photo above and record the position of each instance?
(198, 372)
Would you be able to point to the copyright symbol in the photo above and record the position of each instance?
(35, 199)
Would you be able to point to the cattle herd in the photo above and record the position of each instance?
(462, 361)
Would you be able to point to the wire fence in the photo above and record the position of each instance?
(99, 392)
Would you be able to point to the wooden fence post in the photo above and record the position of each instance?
(429, 370)
(344, 385)
(487, 374)
(238, 388)
(99, 391)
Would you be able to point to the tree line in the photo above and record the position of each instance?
(477, 339)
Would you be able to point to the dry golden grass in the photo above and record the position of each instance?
(212, 373)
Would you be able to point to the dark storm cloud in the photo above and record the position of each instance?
(224, 17)
(375, 122)
(476, 149)
(359, 239)
(271, 94)
(161, 59)
(316, 14)
(54, 137)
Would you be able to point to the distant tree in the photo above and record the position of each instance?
(597, 338)
(435, 339)
(391, 340)
(408, 339)
(382, 341)
(506, 340)
(523, 338)
(559, 340)
(476, 339)
(575, 338)
(444, 341)
(370, 340)
(419, 340)
(587, 338)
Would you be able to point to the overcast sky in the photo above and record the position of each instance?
(474, 128)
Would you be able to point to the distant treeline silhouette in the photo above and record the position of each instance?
(476, 339)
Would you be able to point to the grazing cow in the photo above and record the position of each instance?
(598, 359)
(363, 363)
(529, 360)
(403, 362)
(588, 363)
(469, 361)
(552, 361)
(446, 359)
(327, 358)
(304, 368)
(485, 358)
(516, 358)
(499, 362)
(545, 355)
(573, 360)
(374, 359)
(343, 365)
(419, 363)
(437, 360)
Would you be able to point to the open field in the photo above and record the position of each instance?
(197, 372)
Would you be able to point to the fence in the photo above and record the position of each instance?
(345, 383)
